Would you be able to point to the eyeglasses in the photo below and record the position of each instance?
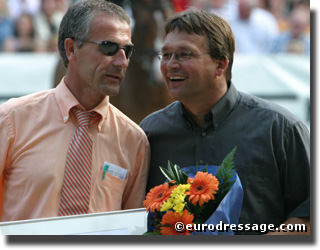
(111, 48)
(179, 55)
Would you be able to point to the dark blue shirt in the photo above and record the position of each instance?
(272, 157)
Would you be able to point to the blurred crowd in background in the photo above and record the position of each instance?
(260, 26)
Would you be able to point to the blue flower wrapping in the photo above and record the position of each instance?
(228, 211)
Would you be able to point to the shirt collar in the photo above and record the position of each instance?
(224, 106)
(66, 101)
(219, 111)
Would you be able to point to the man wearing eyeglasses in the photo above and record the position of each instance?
(210, 118)
(68, 151)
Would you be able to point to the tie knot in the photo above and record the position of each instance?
(83, 117)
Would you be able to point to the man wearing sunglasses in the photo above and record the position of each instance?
(68, 151)
(210, 118)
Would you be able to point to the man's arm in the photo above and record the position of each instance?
(297, 181)
(135, 191)
(5, 138)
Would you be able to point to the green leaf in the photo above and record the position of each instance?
(185, 178)
(174, 172)
(170, 168)
(224, 174)
(166, 174)
(205, 169)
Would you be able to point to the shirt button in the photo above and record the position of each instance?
(65, 118)
(215, 126)
(203, 134)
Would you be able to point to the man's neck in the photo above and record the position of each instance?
(197, 109)
(88, 98)
(197, 113)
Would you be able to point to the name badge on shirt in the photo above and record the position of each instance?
(113, 170)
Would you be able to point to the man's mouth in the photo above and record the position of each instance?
(177, 78)
(114, 76)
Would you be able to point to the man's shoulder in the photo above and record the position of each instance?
(165, 113)
(266, 107)
(25, 102)
(125, 122)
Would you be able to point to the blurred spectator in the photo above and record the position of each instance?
(253, 27)
(180, 5)
(302, 5)
(291, 4)
(227, 9)
(64, 5)
(23, 39)
(279, 9)
(6, 25)
(47, 23)
(199, 4)
(297, 39)
(17, 7)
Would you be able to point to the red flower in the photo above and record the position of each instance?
(203, 187)
(157, 196)
(172, 221)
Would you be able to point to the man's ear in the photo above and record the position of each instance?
(222, 66)
(70, 46)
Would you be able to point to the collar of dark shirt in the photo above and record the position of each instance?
(217, 113)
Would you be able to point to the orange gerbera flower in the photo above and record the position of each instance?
(175, 224)
(157, 196)
(203, 188)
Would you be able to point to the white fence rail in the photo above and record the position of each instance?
(284, 79)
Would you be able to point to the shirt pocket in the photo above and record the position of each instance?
(107, 193)
(111, 182)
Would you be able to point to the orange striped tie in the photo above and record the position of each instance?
(76, 188)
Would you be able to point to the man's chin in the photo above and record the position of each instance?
(175, 94)
(110, 91)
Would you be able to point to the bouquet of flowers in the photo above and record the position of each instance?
(198, 195)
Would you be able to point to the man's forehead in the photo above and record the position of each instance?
(182, 39)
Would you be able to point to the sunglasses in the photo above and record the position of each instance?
(111, 48)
